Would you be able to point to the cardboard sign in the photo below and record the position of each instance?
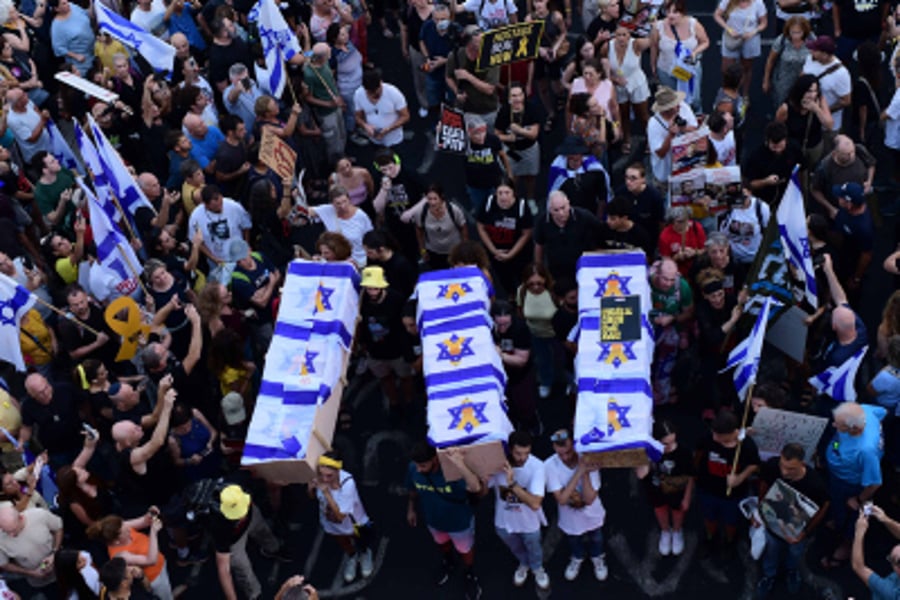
(484, 459)
(774, 428)
(689, 150)
(88, 87)
(451, 134)
(620, 318)
(509, 44)
(277, 155)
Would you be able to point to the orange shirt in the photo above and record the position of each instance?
(140, 544)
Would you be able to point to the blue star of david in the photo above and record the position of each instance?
(455, 349)
(626, 351)
(473, 412)
(308, 359)
(323, 299)
(621, 417)
(7, 313)
(454, 291)
(611, 284)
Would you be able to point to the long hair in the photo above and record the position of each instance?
(226, 350)
(106, 529)
(68, 577)
(209, 303)
(800, 87)
(890, 316)
(534, 268)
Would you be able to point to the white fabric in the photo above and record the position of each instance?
(151, 20)
(657, 130)
(349, 503)
(353, 228)
(219, 228)
(459, 291)
(726, 149)
(574, 521)
(892, 126)
(491, 14)
(384, 113)
(833, 86)
(744, 20)
(15, 301)
(742, 227)
(794, 234)
(512, 514)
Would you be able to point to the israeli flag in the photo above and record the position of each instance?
(274, 31)
(791, 217)
(611, 275)
(837, 382)
(113, 249)
(15, 301)
(158, 53)
(469, 414)
(614, 414)
(745, 356)
(130, 195)
(321, 296)
(459, 350)
(278, 430)
(60, 149)
(303, 362)
(92, 161)
(272, 77)
(452, 293)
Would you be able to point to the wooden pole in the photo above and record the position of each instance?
(66, 316)
(737, 453)
(133, 270)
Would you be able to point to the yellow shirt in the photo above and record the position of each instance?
(187, 197)
(105, 52)
(67, 270)
(10, 419)
(34, 354)
(229, 376)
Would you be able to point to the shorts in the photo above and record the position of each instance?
(383, 368)
(722, 510)
(462, 540)
(751, 48)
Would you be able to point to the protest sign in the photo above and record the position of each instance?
(277, 155)
(785, 510)
(88, 87)
(788, 333)
(723, 187)
(689, 150)
(774, 428)
(687, 187)
(451, 135)
(509, 44)
(620, 318)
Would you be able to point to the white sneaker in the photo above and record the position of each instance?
(677, 542)
(423, 112)
(544, 392)
(573, 569)
(365, 563)
(533, 207)
(600, 570)
(350, 568)
(542, 579)
(665, 542)
(520, 575)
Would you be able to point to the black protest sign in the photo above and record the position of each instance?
(451, 135)
(620, 318)
(509, 44)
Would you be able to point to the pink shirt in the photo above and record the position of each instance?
(604, 93)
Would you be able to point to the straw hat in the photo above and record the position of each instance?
(666, 98)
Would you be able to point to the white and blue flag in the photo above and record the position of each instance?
(15, 301)
(273, 76)
(322, 297)
(60, 149)
(131, 196)
(113, 249)
(791, 217)
(274, 31)
(158, 53)
(467, 414)
(838, 382)
(744, 358)
(452, 293)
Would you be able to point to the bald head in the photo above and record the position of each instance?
(194, 125)
(37, 386)
(559, 207)
(844, 150)
(843, 321)
(321, 51)
(126, 434)
(181, 44)
(9, 519)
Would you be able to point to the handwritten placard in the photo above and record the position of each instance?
(620, 318)
(277, 155)
(451, 131)
(509, 44)
(774, 428)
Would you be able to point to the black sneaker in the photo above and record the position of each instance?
(443, 573)
(707, 547)
(280, 554)
(473, 588)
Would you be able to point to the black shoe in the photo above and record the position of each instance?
(473, 588)
(707, 547)
(443, 573)
(280, 554)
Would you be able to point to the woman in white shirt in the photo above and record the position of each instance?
(344, 218)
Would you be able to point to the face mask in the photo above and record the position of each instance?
(443, 26)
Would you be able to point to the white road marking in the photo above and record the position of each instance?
(641, 571)
(338, 590)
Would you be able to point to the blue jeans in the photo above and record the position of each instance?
(477, 198)
(839, 491)
(775, 547)
(526, 547)
(590, 543)
(542, 348)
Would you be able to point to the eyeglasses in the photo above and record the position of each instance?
(559, 437)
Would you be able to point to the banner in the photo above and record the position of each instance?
(774, 428)
(451, 135)
(509, 44)
(277, 155)
(15, 301)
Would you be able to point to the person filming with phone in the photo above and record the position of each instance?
(887, 586)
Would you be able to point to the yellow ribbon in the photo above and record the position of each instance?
(130, 329)
(84, 382)
(523, 47)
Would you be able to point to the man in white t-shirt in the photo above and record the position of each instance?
(834, 78)
(672, 117)
(745, 225)
(490, 14)
(518, 515)
(220, 219)
(381, 110)
(24, 120)
(150, 15)
(575, 484)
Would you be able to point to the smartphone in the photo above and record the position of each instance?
(246, 83)
(867, 509)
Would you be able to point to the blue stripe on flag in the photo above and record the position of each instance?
(614, 386)
(463, 374)
(629, 259)
(471, 389)
(450, 275)
(266, 453)
(450, 312)
(452, 326)
(339, 270)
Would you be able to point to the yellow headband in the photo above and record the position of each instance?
(84, 382)
(325, 461)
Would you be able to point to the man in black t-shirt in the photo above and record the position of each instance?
(513, 341)
(234, 519)
(398, 192)
(381, 334)
(231, 157)
(505, 225)
(620, 232)
(402, 275)
(484, 155)
(564, 235)
(52, 408)
(648, 205)
(790, 474)
(77, 341)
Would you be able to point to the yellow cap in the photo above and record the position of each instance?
(235, 502)
(373, 277)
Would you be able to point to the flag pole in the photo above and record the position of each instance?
(737, 452)
(65, 315)
(133, 270)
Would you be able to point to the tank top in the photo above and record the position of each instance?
(666, 59)
(140, 544)
(797, 124)
(630, 65)
(358, 195)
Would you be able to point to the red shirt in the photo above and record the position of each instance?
(670, 242)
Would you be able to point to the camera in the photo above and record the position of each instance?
(200, 499)
(679, 121)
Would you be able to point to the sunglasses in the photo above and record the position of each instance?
(560, 437)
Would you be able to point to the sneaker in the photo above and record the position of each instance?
(542, 579)
(350, 569)
(423, 112)
(472, 587)
(573, 569)
(677, 543)
(365, 563)
(280, 554)
(544, 392)
(794, 581)
(764, 587)
(600, 570)
(520, 575)
(359, 140)
(443, 574)
(665, 542)
(533, 207)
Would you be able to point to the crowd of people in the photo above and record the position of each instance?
(114, 467)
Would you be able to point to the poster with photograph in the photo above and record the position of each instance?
(689, 150)
(451, 134)
(786, 511)
(685, 189)
(723, 185)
